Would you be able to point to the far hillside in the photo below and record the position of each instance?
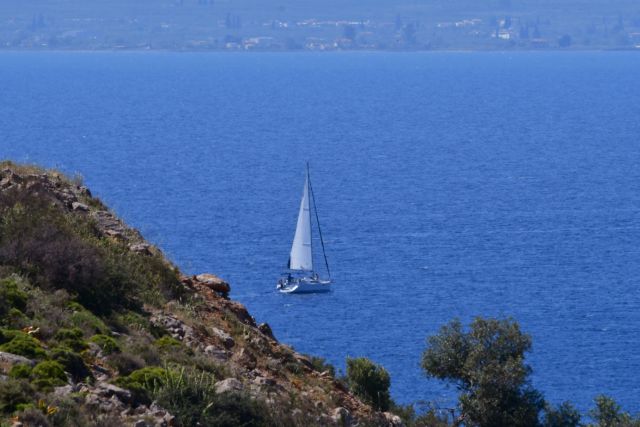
(319, 25)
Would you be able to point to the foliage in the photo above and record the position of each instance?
(125, 363)
(11, 297)
(71, 338)
(321, 365)
(48, 374)
(14, 392)
(143, 381)
(608, 413)
(369, 381)
(58, 250)
(20, 371)
(107, 344)
(22, 344)
(167, 342)
(487, 365)
(72, 363)
(565, 415)
(191, 397)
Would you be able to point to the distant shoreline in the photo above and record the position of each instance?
(308, 51)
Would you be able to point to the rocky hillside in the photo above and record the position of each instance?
(98, 328)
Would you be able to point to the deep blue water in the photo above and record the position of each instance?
(449, 185)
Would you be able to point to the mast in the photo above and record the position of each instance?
(315, 210)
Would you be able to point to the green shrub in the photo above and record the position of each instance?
(11, 296)
(14, 392)
(15, 319)
(106, 343)
(72, 363)
(20, 371)
(22, 344)
(71, 338)
(59, 250)
(48, 374)
(190, 396)
(125, 363)
(369, 381)
(83, 319)
(143, 381)
(167, 342)
(321, 365)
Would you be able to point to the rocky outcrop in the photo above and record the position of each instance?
(8, 361)
(209, 326)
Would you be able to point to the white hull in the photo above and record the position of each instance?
(304, 286)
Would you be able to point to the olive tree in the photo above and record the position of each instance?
(486, 363)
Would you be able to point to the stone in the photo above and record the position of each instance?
(9, 360)
(214, 283)
(393, 419)
(264, 382)
(77, 206)
(63, 391)
(216, 353)
(245, 358)
(266, 330)
(303, 359)
(240, 312)
(109, 390)
(230, 385)
(141, 248)
(140, 423)
(226, 339)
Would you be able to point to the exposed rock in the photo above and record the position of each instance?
(240, 312)
(217, 353)
(393, 419)
(141, 248)
(9, 360)
(77, 206)
(226, 339)
(109, 390)
(214, 283)
(63, 391)
(303, 359)
(245, 358)
(264, 382)
(266, 330)
(229, 385)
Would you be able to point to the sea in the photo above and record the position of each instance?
(449, 185)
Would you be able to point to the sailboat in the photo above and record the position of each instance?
(301, 277)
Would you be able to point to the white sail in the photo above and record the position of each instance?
(300, 257)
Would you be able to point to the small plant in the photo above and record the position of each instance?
(22, 344)
(11, 296)
(167, 342)
(321, 365)
(143, 381)
(14, 392)
(48, 374)
(107, 344)
(71, 362)
(125, 363)
(71, 338)
(20, 371)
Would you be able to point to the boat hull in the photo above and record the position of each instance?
(303, 286)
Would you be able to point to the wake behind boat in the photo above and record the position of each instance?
(300, 276)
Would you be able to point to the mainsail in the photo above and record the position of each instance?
(301, 257)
